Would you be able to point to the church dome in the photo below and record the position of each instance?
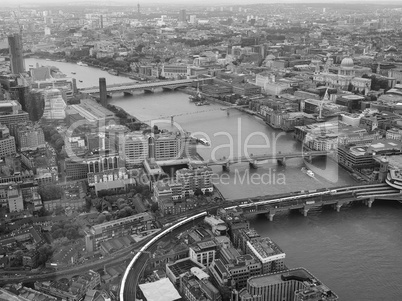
(347, 62)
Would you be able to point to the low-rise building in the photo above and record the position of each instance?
(116, 228)
(73, 290)
(203, 252)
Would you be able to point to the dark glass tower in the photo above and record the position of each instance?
(16, 55)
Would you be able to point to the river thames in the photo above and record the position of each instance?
(356, 252)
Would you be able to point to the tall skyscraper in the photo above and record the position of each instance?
(16, 56)
(102, 91)
(182, 15)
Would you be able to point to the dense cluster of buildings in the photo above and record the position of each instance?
(224, 259)
(331, 76)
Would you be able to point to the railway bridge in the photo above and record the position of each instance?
(269, 205)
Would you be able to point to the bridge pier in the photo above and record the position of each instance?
(304, 211)
(171, 120)
(253, 164)
(309, 158)
(227, 112)
(226, 166)
(369, 202)
(281, 161)
(337, 207)
(270, 215)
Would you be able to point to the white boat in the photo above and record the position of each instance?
(310, 173)
(204, 141)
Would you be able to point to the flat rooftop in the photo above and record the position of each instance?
(180, 267)
(276, 278)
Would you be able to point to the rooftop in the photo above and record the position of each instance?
(183, 266)
(161, 290)
(280, 277)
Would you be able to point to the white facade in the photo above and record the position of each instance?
(54, 105)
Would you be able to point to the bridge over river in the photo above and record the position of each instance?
(269, 205)
(255, 160)
(150, 87)
(304, 201)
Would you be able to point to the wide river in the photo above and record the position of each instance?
(356, 252)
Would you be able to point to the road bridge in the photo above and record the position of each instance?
(255, 160)
(130, 87)
(302, 201)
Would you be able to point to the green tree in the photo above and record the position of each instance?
(129, 210)
(100, 219)
(45, 253)
(88, 203)
(154, 207)
(50, 192)
(198, 192)
(59, 233)
(122, 213)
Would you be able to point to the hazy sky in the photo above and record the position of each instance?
(198, 2)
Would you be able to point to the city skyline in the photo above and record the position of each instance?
(216, 151)
(204, 3)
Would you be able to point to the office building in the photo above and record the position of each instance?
(89, 111)
(30, 137)
(175, 71)
(7, 142)
(117, 228)
(291, 285)
(109, 175)
(54, 105)
(182, 15)
(195, 178)
(241, 268)
(195, 286)
(103, 91)
(75, 169)
(11, 197)
(49, 78)
(203, 252)
(328, 135)
(11, 114)
(168, 146)
(268, 253)
(220, 274)
(16, 53)
(135, 149)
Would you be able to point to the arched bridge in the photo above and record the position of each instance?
(132, 86)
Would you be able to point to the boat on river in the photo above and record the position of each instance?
(204, 141)
(113, 72)
(308, 172)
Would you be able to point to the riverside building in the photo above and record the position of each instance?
(291, 285)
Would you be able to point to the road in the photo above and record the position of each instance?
(115, 258)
